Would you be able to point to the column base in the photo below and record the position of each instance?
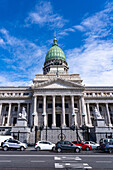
(63, 126)
(53, 126)
(110, 125)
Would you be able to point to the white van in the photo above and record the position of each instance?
(3, 138)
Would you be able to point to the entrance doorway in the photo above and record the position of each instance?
(58, 120)
(49, 120)
(67, 120)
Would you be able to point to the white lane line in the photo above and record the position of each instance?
(57, 158)
(57, 165)
(62, 158)
(78, 159)
(88, 167)
(38, 161)
(5, 161)
(67, 164)
(103, 161)
(85, 164)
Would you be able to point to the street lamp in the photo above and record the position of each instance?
(33, 114)
(83, 125)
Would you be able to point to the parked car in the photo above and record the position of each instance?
(107, 147)
(3, 138)
(92, 144)
(105, 140)
(13, 144)
(83, 145)
(44, 145)
(68, 146)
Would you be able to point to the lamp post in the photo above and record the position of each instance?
(83, 124)
(33, 114)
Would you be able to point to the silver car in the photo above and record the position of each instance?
(13, 144)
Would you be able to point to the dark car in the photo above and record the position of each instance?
(67, 146)
(107, 147)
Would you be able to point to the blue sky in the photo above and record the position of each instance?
(84, 30)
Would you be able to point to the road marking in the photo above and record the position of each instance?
(67, 164)
(57, 165)
(5, 161)
(88, 167)
(57, 158)
(62, 158)
(85, 164)
(38, 161)
(104, 161)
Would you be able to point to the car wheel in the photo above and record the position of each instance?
(110, 150)
(87, 148)
(77, 150)
(98, 147)
(5, 148)
(22, 148)
(38, 148)
(53, 148)
(59, 150)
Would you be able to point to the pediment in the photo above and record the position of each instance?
(59, 84)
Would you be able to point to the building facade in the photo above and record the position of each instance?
(56, 98)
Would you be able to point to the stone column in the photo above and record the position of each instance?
(89, 116)
(9, 115)
(18, 109)
(35, 112)
(1, 114)
(44, 111)
(83, 108)
(80, 112)
(74, 120)
(108, 115)
(54, 114)
(27, 111)
(63, 112)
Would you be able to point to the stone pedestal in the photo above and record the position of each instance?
(99, 122)
(101, 130)
(21, 131)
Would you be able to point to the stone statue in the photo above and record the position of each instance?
(23, 115)
(97, 114)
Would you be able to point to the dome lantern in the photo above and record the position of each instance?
(55, 56)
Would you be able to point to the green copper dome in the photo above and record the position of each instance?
(55, 52)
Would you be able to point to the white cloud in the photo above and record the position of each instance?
(44, 15)
(79, 27)
(23, 59)
(94, 60)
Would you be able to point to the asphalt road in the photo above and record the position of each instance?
(48, 160)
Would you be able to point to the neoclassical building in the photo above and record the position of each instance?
(56, 98)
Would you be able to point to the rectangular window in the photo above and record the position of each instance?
(49, 105)
(7, 108)
(40, 105)
(75, 105)
(58, 105)
(66, 105)
(16, 109)
(91, 109)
